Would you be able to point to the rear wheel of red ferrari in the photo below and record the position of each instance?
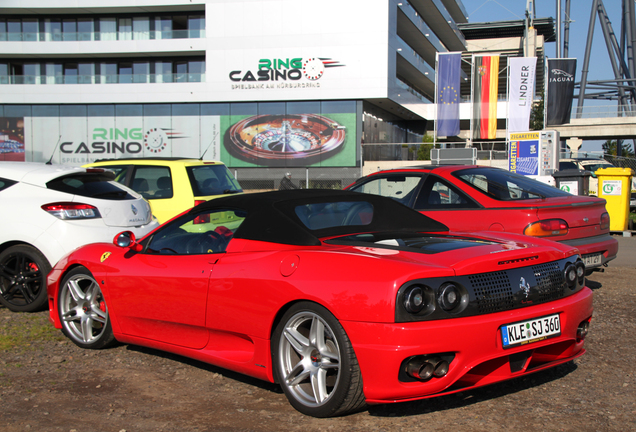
(315, 364)
(83, 311)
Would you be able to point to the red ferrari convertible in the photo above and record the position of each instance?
(481, 198)
(344, 299)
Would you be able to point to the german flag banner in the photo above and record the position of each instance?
(485, 84)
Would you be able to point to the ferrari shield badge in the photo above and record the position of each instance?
(105, 256)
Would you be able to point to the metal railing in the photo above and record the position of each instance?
(103, 79)
(417, 151)
(101, 36)
(603, 111)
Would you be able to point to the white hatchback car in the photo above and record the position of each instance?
(50, 210)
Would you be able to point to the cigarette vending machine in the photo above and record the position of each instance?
(533, 153)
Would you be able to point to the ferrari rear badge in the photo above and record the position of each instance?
(525, 287)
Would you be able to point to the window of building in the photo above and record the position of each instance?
(85, 29)
(140, 72)
(196, 69)
(125, 72)
(16, 70)
(52, 29)
(124, 30)
(108, 73)
(14, 30)
(30, 30)
(179, 27)
(69, 29)
(54, 73)
(107, 29)
(31, 73)
(180, 70)
(86, 73)
(163, 72)
(4, 73)
(70, 73)
(163, 27)
(141, 28)
(196, 26)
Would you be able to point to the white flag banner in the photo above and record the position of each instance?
(522, 77)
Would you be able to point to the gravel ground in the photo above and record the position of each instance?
(48, 384)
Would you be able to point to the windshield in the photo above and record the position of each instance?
(506, 186)
(594, 166)
(212, 180)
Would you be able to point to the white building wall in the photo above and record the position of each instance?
(238, 35)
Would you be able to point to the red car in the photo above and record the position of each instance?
(323, 293)
(481, 198)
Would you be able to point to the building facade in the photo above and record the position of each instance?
(265, 86)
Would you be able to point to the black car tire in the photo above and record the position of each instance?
(23, 271)
(83, 311)
(326, 365)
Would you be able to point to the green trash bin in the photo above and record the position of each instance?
(574, 181)
(615, 185)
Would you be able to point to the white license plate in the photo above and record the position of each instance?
(592, 259)
(534, 330)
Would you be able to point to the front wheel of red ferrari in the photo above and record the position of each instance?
(83, 311)
(315, 364)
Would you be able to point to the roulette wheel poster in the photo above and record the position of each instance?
(292, 140)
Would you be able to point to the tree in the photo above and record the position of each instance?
(536, 115)
(424, 151)
(609, 148)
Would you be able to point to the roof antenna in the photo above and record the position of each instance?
(54, 148)
(206, 150)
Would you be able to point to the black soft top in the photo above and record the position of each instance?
(272, 216)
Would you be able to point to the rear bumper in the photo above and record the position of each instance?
(604, 244)
(475, 342)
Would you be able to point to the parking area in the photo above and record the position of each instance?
(47, 383)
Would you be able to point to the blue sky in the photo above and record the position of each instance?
(600, 68)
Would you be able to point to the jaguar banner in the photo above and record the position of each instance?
(560, 91)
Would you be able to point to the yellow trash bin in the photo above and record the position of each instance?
(615, 185)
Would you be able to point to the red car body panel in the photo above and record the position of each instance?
(222, 308)
(582, 213)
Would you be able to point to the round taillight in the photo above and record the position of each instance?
(570, 275)
(580, 272)
(414, 299)
(449, 297)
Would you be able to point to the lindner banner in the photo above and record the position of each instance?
(560, 90)
(522, 78)
(448, 74)
(485, 85)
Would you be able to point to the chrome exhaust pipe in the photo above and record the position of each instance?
(440, 367)
(420, 369)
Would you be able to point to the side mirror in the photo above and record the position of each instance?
(127, 239)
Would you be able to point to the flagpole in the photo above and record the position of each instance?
(472, 96)
(507, 101)
(436, 100)
(545, 92)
